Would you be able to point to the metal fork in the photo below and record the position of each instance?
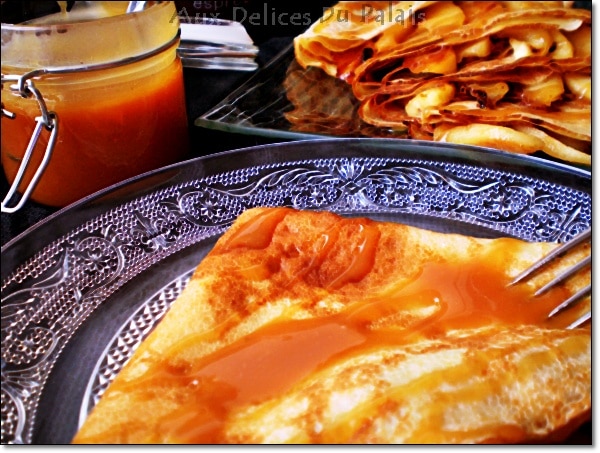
(558, 252)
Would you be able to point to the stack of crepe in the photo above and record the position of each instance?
(515, 76)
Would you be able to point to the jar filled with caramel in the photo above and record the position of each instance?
(90, 97)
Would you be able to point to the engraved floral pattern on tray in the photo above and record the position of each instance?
(49, 296)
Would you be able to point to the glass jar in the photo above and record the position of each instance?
(102, 90)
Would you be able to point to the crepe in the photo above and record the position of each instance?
(308, 327)
(322, 104)
(515, 76)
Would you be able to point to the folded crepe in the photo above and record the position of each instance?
(309, 327)
(321, 104)
(325, 105)
(410, 64)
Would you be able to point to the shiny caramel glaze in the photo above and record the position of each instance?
(309, 327)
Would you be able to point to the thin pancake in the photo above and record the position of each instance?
(308, 327)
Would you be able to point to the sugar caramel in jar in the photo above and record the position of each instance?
(111, 83)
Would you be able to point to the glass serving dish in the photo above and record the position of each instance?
(262, 104)
(282, 100)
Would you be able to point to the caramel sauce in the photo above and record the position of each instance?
(103, 139)
(271, 360)
(363, 257)
(258, 233)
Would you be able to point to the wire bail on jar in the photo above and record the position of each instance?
(25, 87)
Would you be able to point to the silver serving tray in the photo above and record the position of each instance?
(82, 289)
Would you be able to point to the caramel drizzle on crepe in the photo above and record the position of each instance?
(419, 74)
(304, 326)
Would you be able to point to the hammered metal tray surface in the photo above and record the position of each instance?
(82, 289)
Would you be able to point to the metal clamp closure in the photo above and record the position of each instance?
(48, 120)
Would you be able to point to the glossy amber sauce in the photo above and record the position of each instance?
(113, 124)
(272, 359)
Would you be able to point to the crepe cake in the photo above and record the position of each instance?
(310, 327)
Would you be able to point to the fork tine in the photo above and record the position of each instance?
(581, 237)
(561, 277)
(580, 321)
(574, 298)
